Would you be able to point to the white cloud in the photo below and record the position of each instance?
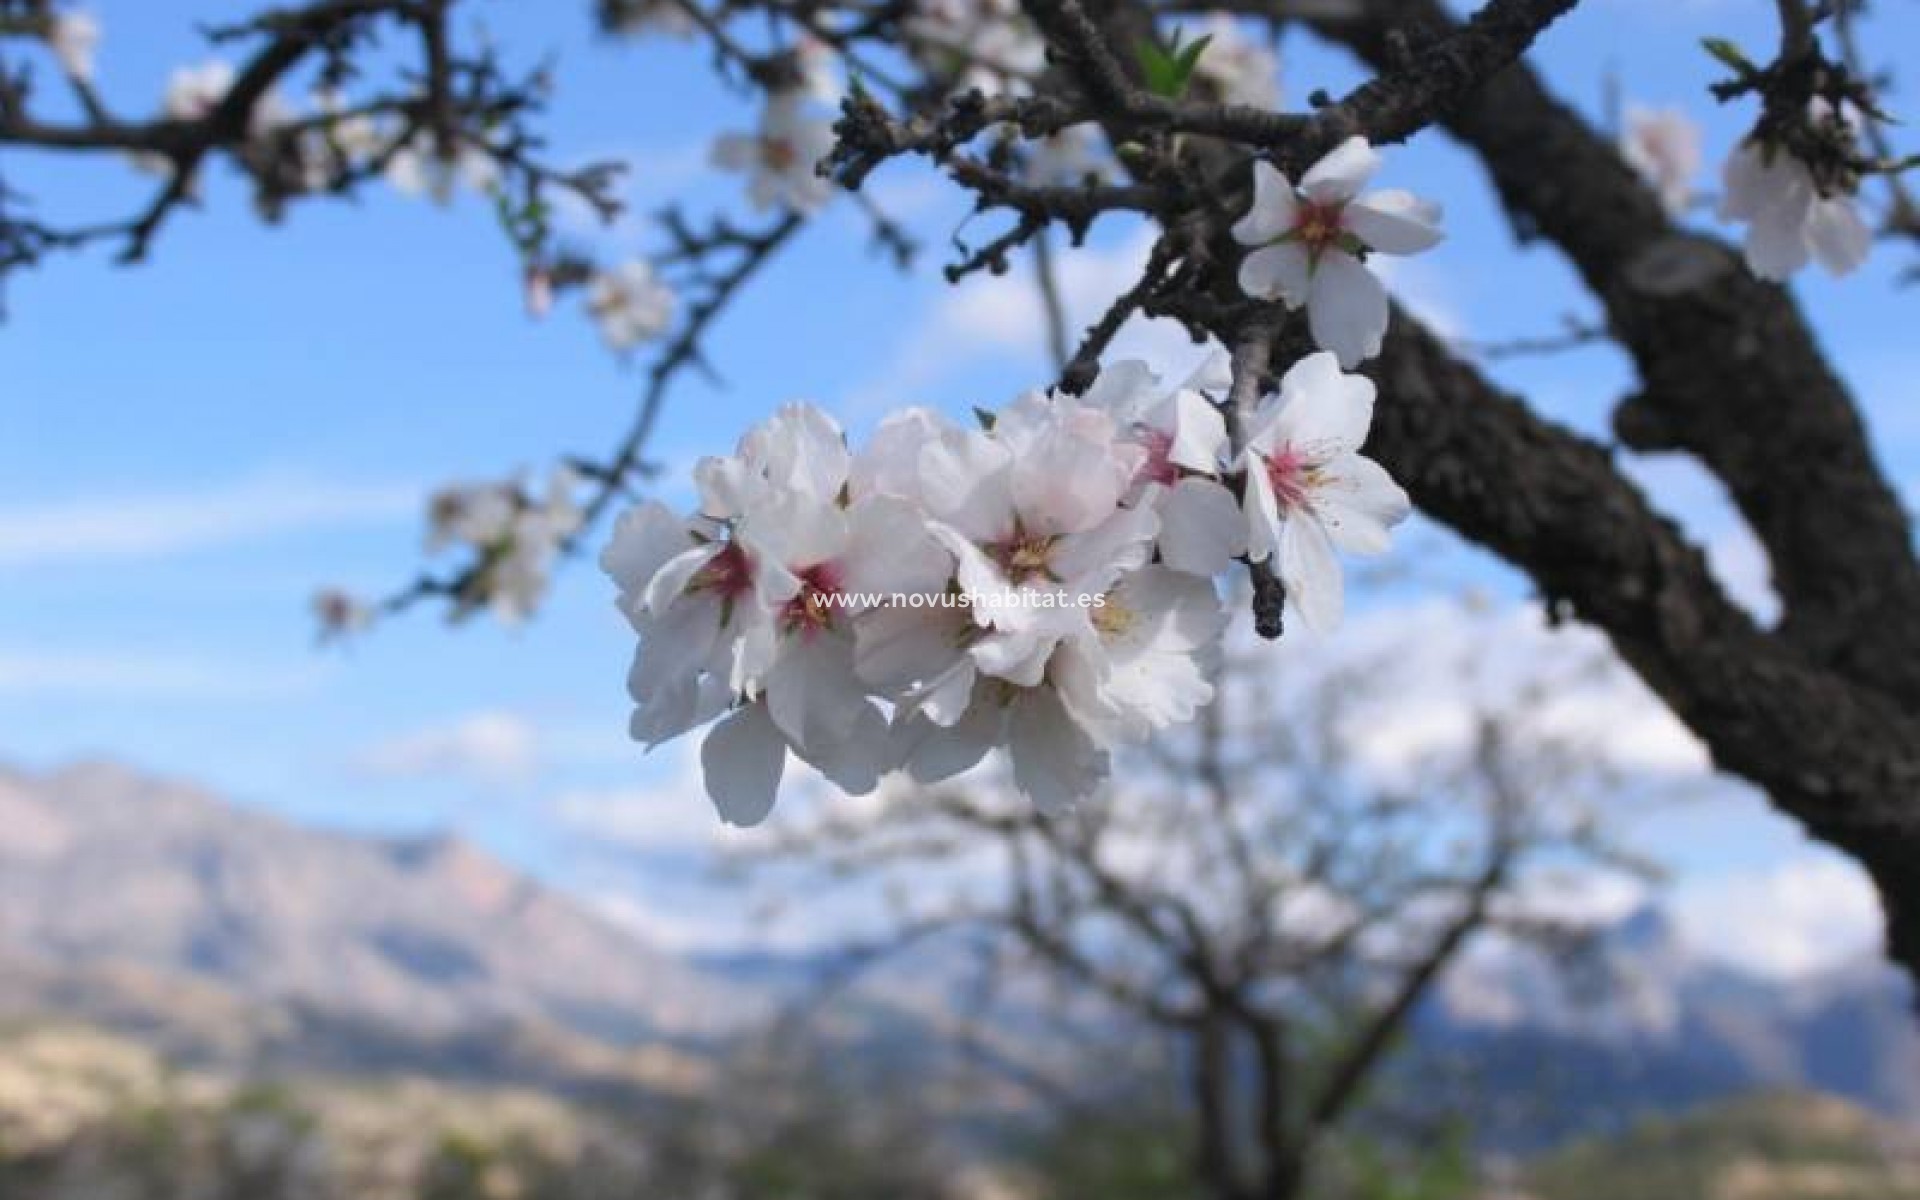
(159, 524)
(1785, 921)
(1450, 664)
(142, 675)
(671, 816)
(491, 748)
(1001, 316)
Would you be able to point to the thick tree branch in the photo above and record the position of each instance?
(1731, 372)
(1842, 758)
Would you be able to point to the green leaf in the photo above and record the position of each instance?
(1168, 69)
(1729, 54)
(1189, 58)
(1156, 65)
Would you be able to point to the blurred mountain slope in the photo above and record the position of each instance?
(228, 935)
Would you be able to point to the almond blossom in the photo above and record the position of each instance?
(422, 167)
(1312, 240)
(688, 592)
(73, 37)
(1663, 146)
(630, 304)
(987, 45)
(1184, 435)
(514, 537)
(1792, 217)
(1240, 69)
(1068, 158)
(194, 92)
(779, 158)
(1308, 490)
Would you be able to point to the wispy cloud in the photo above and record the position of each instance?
(1786, 921)
(135, 525)
(139, 675)
(488, 748)
(989, 317)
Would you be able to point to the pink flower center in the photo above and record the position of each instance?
(778, 153)
(1292, 477)
(1159, 467)
(812, 607)
(1317, 226)
(727, 574)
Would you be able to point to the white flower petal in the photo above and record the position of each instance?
(743, 759)
(855, 761)
(898, 647)
(1016, 655)
(1055, 763)
(1746, 183)
(1201, 529)
(1346, 308)
(1199, 432)
(644, 538)
(1262, 511)
(670, 580)
(1215, 373)
(1274, 208)
(1279, 272)
(1358, 502)
(1840, 239)
(1093, 559)
(890, 551)
(813, 694)
(1339, 176)
(945, 698)
(1311, 572)
(1394, 222)
(1322, 411)
(931, 753)
(963, 479)
(1776, 242)
(1127, 389)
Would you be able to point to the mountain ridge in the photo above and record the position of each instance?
(226, 933)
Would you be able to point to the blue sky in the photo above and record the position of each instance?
(187, 448)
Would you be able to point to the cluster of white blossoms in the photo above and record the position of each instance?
(514, 538)
(1312, 240)
(1045, 584)
(1791, 216)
